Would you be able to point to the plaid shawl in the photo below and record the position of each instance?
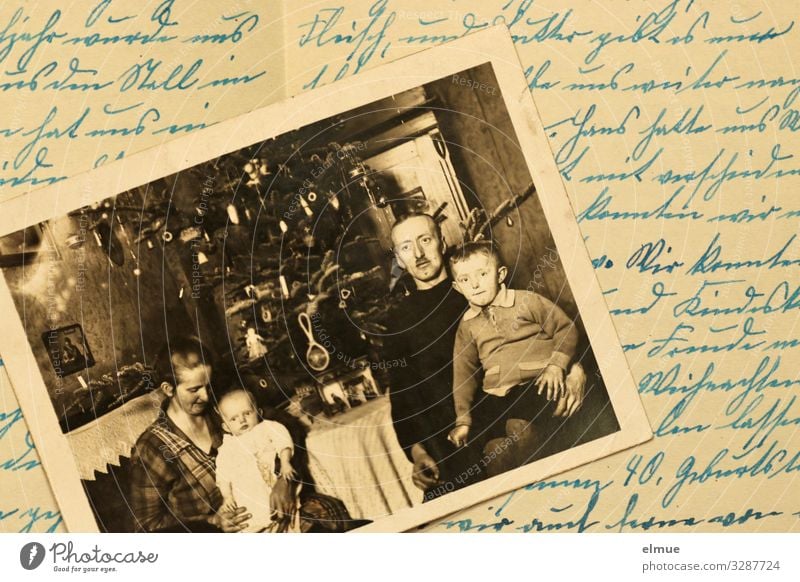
(172, 482)
(199, 466)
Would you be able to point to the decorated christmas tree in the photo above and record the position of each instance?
(269, 237)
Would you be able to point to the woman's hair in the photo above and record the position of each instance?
(181, 352)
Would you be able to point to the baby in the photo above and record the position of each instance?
(246, 460)
(521, 340)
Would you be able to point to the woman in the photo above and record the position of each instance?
(173, 480)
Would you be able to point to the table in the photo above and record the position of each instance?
(355, 457)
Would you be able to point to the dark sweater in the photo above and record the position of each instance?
(422, 332)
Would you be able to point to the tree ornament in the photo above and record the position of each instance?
(316, 355)
(255, 345)
(317, 359)
(308, 237)
(344, 295)
(255, 169)
(306, 207)
(233, 214)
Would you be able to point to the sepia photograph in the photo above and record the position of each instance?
(364, 322)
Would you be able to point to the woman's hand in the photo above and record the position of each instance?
(283, 501)
(288, 472)
(459, 435)
(230, 520)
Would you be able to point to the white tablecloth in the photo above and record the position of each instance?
(103, 441)
(355, 457)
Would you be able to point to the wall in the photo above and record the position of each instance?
(124, 316)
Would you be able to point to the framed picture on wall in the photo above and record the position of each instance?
(68, 350)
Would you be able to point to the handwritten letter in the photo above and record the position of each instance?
(86, 86)
(27, 504)
(674, 124)
(675, 127)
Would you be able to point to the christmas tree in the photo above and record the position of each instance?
(270, 238)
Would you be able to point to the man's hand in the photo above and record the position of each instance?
(552, 380)
(230, 520)
(284, 503)
(426, 473)
(571, 402)
(458, 436)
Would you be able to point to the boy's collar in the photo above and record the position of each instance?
(505, 298)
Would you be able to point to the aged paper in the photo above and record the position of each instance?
(670, 121)
(62, 316)
(674, 124)
(93, 83)
(27, 504)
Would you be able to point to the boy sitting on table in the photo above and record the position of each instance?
(523, 342)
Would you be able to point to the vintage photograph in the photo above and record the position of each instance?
(365, 317)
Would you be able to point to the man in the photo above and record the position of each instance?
(422, 333)
(173, 480)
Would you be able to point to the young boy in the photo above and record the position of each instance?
(521, 340)
(246, 460)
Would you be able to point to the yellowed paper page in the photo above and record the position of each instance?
(27, 504)
(101, 80)
(674, 125)
(86, 85)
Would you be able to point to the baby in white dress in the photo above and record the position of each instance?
(246, 462)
